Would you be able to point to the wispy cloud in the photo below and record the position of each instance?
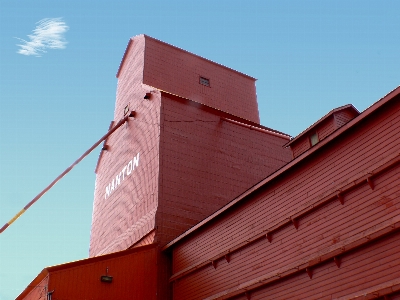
(48, 34)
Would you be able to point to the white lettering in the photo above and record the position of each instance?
(107, 191)
(123, 173)
(112, 185)
(129, 169)
(126, 171)
(118, 180)
(136, 161)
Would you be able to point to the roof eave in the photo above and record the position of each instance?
(42, 275)
(124, 56)
(332, 112)
(230, 116)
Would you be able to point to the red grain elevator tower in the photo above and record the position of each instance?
(194, 199)
(194, 144)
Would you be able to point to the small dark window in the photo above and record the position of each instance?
(204, 81)
(314, 139)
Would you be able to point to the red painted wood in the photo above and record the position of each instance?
(129, 213)
(134, 275)
(37, 289)
(342, 117)
(326, 128)
(194, 183)
(291, 240)
(330, 224)
(330, 282)
(312, 179)
(300, 147)
(191, 161)
(395, 296)
(177, 71)
(363, 268)
(323, 128)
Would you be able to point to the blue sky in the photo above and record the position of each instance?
(308, 56)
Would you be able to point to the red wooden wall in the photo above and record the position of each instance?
(134, 275)
(128, 213)
(325, 225)
(38, 288)
(191, 162)
(177, 71)
(342, 117)
(295, 225)
(205, 162)
(323, 128)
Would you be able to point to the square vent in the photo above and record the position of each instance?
(204, 81)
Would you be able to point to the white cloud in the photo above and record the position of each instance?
(48, 34)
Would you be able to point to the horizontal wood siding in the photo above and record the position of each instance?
(206, 162)
(300, 146)
(178, 72)
(128, 213)
(323, 129)
(327, 226)
(351, 155)
(326, 128)
(369, 266)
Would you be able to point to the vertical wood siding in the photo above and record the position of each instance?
(134, 277)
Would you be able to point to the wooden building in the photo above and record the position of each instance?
(103, 277)
(231, 209)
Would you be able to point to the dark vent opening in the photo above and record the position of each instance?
(204, 81)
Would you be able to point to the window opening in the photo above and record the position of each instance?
(314, 139)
